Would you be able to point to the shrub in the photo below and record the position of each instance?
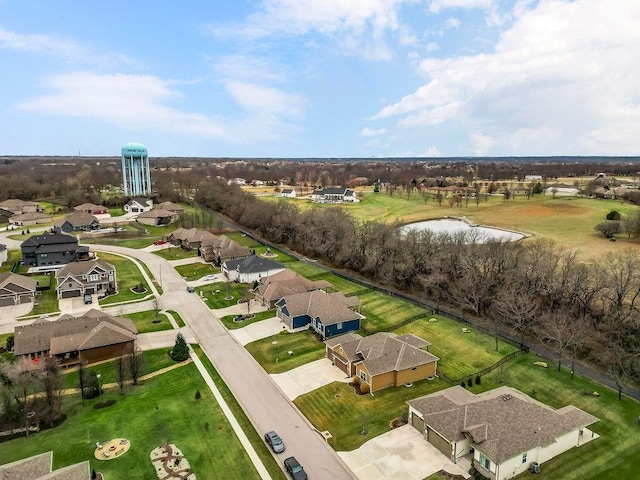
(463, 385)
(477, 379)
(364, 388)
(404, 416)
(106, 404)
(10, 342)
(198, 396)
(613, 215)
(470, 383)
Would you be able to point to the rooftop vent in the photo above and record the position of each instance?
(506, 397)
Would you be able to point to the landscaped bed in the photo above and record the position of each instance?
(232, 322)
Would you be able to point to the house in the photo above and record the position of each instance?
(91, 337)
(138, 205)
(157, 216)
(16, 289)
(172, 207)
(334, 195)
(30, 218)
(561, 190)
(77, 278)
(274, 287)
(237, 181)
(4, 253)
(190, 238)
(92, 209)
(221, 249)
(250, 269)
(5, 215)
(40, 467)
(501, 431)
(78, 221)
(288, 193)
(328, 314)
(51, 249)
(383, 359)
(18, 207)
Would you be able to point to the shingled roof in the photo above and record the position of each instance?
(68, 333)
(252, 264)
(502, 423)
(11, 283)
(331, 308)
(77, 218)
(83, 268)
(286, 283)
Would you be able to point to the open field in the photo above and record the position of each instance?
(461, 354)
(148, 415)
(274, 357)
(196, 270)
(128, 276)
(144, 321)
(231, 325)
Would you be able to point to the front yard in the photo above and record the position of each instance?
(273, 352)
(196, 270)
(144, 321)
(224, 294)
(128, 276)
(176, 253)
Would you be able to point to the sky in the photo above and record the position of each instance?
(320, 78)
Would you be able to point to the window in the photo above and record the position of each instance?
(339, 326)
(363, 375)
(485, 462)
(524, 457)
(94, 277)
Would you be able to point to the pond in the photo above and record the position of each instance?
(476, 233)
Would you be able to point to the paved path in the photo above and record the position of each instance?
(264, 403)
(258, 330)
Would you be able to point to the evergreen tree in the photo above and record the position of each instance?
(180, 350)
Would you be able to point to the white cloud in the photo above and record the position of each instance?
(556, 83)
(431, 152)
(254, 97)
(452, 23)
(129, 101)
(58, 47)
(437, 5)
(369, 132)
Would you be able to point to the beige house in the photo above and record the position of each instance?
(274, 287)
(501, 432)
(18, 207)
(157, 216)
(16, 289)
(30, 218)
(383, 359)
(220, 249)
(172, 207)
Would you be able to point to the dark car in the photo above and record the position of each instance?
(295, 469)
(274, 441)
(191, 289)
(87, 299)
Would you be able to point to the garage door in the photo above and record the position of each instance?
(25, 298)
(417, 423)
(5, 302)
(440, 443)
(340, 363)
(71, 294)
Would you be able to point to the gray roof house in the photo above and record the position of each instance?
(51, 249)
(79, 278)
(91, 337)
(250, 269)
(40, 467)
(383, 359)
(138, 205)
(16, 289)
(78, 221)
(501, 431)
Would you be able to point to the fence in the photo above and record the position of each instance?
(484, 371)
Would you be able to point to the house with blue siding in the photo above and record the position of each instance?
(328, 314)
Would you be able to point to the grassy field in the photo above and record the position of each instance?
(254, 437)
(274, 357)
(144, 321)
(448, 341)
(196, 270)
(176, 253)
(148, 415)
(342, 285)
(128, 276)
(215, 300)
(243, 239)
(309, 270)
(231, 325)
(383, 311)
(176, 316)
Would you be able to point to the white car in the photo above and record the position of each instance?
(208, 278)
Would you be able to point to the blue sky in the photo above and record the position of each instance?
(320, 78)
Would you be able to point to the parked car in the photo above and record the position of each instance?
(191, 289)
(274, 441)
(159, 242)
(87, 299)
(208, 278)
(295, 469)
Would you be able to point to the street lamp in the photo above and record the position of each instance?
(98, 376)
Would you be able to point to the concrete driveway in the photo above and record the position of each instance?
(257, 330)
(9, 314)
(77, 305)
(401, 454)
(308, 377)
(163, 339)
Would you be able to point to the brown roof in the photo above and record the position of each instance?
(287, 282)
(157, 213)
(23, 217)
(15, 204)
(384, 352)
(331, 308)
(83, 268)
(78, 218)
(172, 207)
(75, 333)
(502, 423)
(14, 283)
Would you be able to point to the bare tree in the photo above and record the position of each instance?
(51, 379)
(156, 306)
(559, 329)
(517, 307)
(135, 362)
(121, 371)
(22, 384)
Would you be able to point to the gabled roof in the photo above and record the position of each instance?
(331, 308)
(140, 200)
(91, 207)
(24, 217)
(78, 218)
(16, 204)
(502, 423)
(28, 468)
(384, 352)
(286, 283)
(83, 268)
(252, 264)
(49, 239)
(69, 331)
(157, 213)
(11, 283)
(172, 207)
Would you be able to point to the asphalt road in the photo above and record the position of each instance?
(261, 399)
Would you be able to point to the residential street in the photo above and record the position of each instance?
(262, 400)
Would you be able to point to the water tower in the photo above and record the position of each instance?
(135, 170)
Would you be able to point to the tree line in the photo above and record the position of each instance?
(535, 289)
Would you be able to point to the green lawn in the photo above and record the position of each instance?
(460, 353)
(308, 270)
(254, 437)
(176, 253)
(176, 316)
(128, 276)
(129, 242)
(12, 257)
(274, 357)
(343, 413)
(148, 415)
(144, 321)
(196, 270)
(47, 301)
(231, 325)
(216, 300)
(342, 285)
(155, 281)
(243, 239)
(280, 256)
(383, 311)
